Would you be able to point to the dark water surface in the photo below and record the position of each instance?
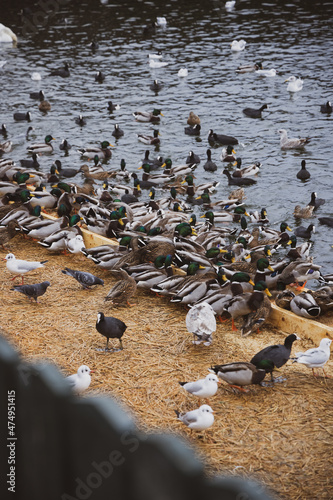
(294, 38)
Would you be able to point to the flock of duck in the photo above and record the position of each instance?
(215, 264)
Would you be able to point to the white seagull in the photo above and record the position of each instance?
(316, 357)
(199, 419)
(161, 21)
(266, 72)
(21, 267)
(294, 84)
(155, 63)
(183, 72)
(204, 387)
(237, 46)
(75, 244)
(200, 320)
(80, 381)
(230, 5)
(294, 143)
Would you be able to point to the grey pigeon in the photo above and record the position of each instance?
(32, 291)
(85, 279)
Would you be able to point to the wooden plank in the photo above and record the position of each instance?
(90, 239)
(287, 321)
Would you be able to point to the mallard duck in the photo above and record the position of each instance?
(150, 139)
(193, 130)
(238, 181)
(225, 216)
(303, 213)
(123, 290)
(239, 374)
(151, 277)
(193, 119)
(303, 174)
(324, 298)
(43, 228)
(227, 154)
(221, 139)
(97, 173)
(249, 68)
(278, 354)
(326, 108)
(6, 147)
(298, 252)
(246, 171)
(42, 148)
(238, 45)
(268, 232)
(305, 305)
(44, 106)
(146, 116)
(177, 170)
(7, 35)
(305, 232)
(294, 143)
(299, 271)
(316, 357)
(316, 202)
(168, 285)
(284, 298)
(210, 166)
(102, 152)
(45, 199)
(255, 113)
(8, 232)
(200, 320)
(58, 240)
(294, 84)
(262, 306)
(63, 72)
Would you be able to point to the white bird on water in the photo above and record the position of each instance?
(204, 387)
(199, 420)
(316, 357)
(266, 72)
(7, 35)
(155, 63)
(21, 267)
(183, 72)
(230, 5)
(237, 46)
(294, 143)
(294, 84)
(80, 381)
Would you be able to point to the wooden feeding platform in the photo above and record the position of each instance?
(279, 435)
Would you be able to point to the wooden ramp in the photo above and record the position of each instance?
(285, 320)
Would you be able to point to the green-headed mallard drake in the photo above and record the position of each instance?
(215, 217)
(299, 271)
(240, 374)
(228, 154)
(103, 152)
(170, 284)
(123, 290)
(268, 232)
(58, 240)
(42, 148)
(278, 354)
(249, 68)
(177, 169)
(305, 305)
(298, 252)
(151, 277)
(246, 171)
(262, 308)
(155, 178)
(150, 139)
(146, 116)
(41, 229)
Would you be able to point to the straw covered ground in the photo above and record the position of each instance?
(280, 435)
